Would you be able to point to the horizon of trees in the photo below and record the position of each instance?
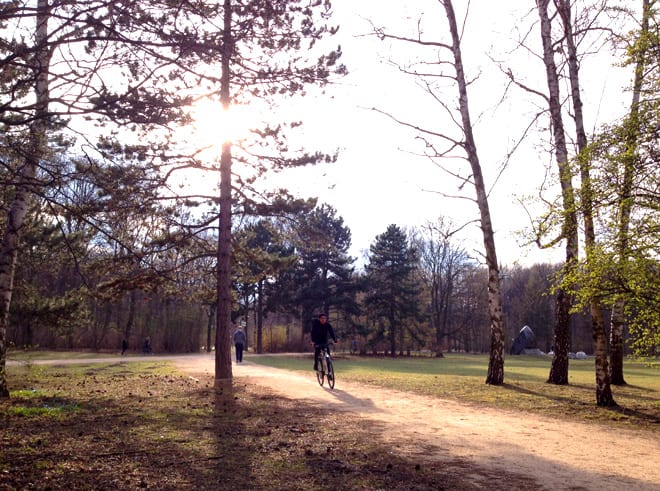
(291, 277)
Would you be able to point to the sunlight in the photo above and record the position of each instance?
(212, 125)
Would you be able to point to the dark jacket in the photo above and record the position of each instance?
(239, 337)
(321, 333)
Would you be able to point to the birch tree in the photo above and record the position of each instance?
(603, 391)
(640, 53)
(450, 54)
(569, 228)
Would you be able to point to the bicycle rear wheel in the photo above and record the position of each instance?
(331, 374)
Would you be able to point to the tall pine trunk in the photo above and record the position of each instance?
(36, 148)
(223, 370)
(495, 374)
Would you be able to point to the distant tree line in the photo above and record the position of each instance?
(419, 290)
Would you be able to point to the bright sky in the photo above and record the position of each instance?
(378, 181)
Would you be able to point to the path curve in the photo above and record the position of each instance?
(560, 455)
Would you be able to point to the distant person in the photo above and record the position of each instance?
(355, 346)
(147, 345)
(239, 343)
(124, 346)
(322, 332)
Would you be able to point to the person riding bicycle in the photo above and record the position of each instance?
(321, 333)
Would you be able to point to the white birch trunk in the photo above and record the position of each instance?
(617, 319)
(496, 364)
(603, 391)
(559, 369)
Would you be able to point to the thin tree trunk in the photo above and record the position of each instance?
(209, 328)
(260, 316)
(563, 302)
(24, 183)
(128, 329)
(223, 370)
(617, 320)
(496, 364)
(603, 390)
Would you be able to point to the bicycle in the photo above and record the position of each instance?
(326, 370)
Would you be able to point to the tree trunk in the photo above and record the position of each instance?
(496, 363)
(625, 206)
(223, 324)
(617, 321)
(260, 316)
(209, 326)
(603, 391)
(23, 189)
(559, 368)
(128, 329)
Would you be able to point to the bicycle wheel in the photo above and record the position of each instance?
(331, 374)
(320, 373)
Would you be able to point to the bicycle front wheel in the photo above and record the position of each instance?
(320, 373)
(331, 374)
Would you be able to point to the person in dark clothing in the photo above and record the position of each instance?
(322, 332)
(239, 343)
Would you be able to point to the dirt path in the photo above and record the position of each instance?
(558, 454)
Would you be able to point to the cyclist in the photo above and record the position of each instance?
(321, 333)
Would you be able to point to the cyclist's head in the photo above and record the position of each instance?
(323, 318)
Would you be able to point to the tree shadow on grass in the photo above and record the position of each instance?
(171, 432)
(648, 417)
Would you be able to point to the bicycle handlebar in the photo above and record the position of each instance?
(324, 346)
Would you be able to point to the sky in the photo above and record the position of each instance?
(379, 178)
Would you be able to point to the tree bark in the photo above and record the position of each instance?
(260, 316)
(223, 370)
(559, 368)
(496, 363)
(617, 319)
(603, 390)
(24, 184)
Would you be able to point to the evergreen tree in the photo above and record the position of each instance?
(392, 293)
(322, 279)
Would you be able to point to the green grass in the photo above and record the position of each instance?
(30, 355)
(462, 378)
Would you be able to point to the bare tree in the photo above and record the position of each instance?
(467, 144)
(442, 263)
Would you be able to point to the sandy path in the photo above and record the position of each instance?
(558, 454)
